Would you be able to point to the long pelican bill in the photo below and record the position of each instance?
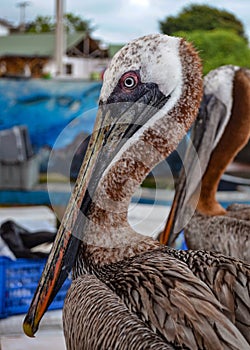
(187, 188)
(67, 242)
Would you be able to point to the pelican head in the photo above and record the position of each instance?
(149, 99)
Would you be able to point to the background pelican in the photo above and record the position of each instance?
(221, 130)
(150, 97)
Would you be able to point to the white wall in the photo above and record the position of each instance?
(81, 67)
(3, 30)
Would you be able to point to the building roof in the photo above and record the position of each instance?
(5, 23)
(29, 44)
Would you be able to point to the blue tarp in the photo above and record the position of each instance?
(47, 106)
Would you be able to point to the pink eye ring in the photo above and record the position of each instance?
(129, 81)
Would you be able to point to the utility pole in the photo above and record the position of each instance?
(59, 47)
(22, 6)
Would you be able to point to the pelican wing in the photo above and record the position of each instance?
(228, 279)
(172, 301)
(94, 317)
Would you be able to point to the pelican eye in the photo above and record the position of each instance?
(129, 81)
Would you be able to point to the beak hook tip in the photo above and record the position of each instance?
(28, 329)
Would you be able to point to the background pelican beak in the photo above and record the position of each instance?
(206, 133)
(66, 244)
(166, 237)
(188, 185)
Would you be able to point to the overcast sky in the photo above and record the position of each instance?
(118, 21)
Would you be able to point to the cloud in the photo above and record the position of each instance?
(122, 20)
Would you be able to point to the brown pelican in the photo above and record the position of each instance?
(220, 132)
(149, 99)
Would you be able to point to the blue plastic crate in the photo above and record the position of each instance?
(18, 282)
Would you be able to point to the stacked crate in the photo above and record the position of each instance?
(19, 167)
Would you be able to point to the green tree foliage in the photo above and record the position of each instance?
(219, 47)
(45, 24)
(202, 17)
(217, 34)
(75, 23)
(42, 24)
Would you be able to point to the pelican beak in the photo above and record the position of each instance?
(107, 131)
(66, 244)
(195, 163)
(67, 241)
(186, 196)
